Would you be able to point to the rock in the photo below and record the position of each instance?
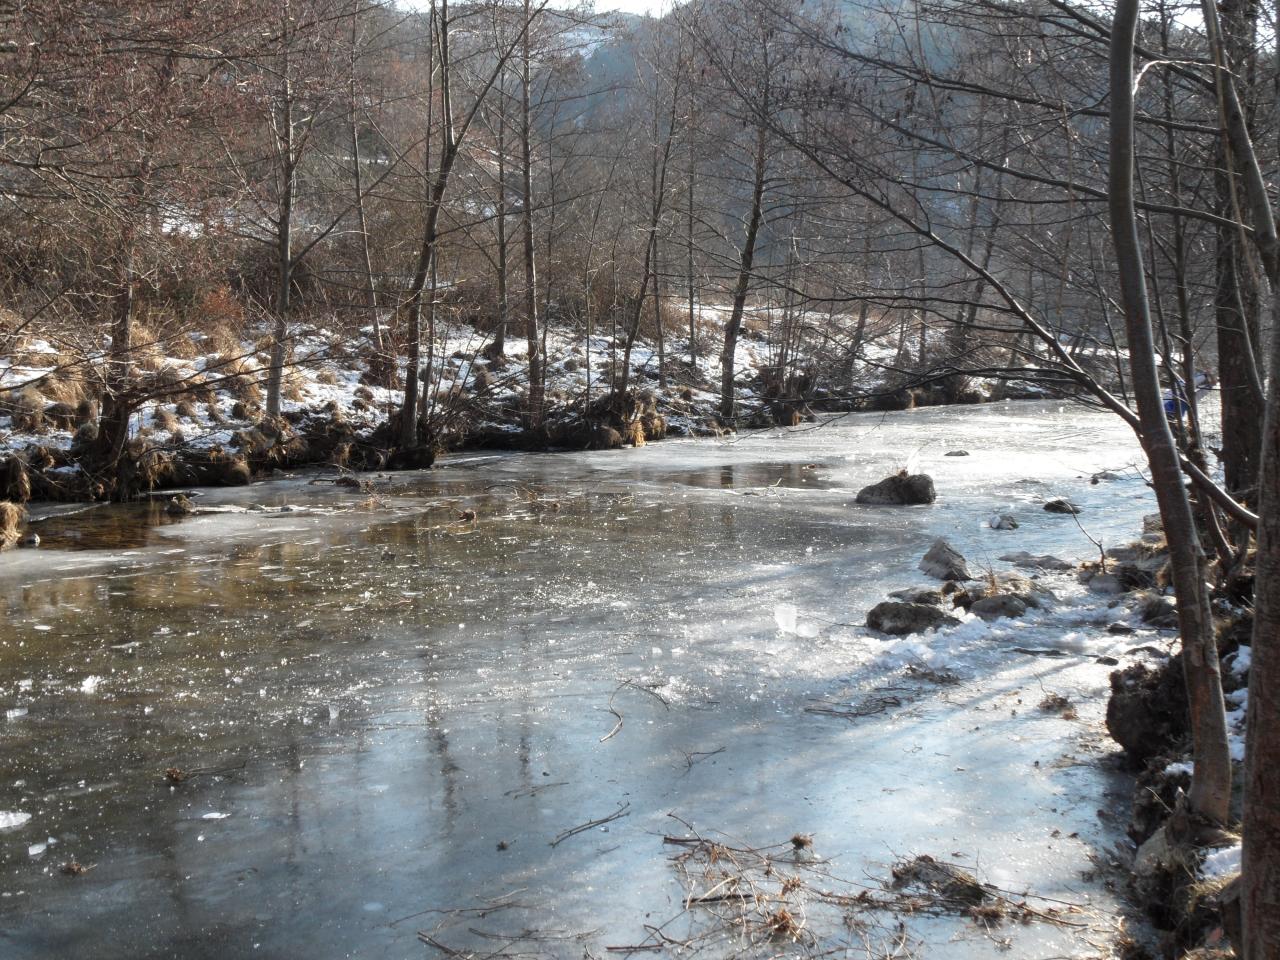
(1107, 584)
(918, 595)
(1155, 854)
(179, 506)
(899, 490)
(899, 618)
(1031, 561)
(1160, 612)
(605, 437)
(1137, 576)
(1061, 505)
(1002, 521)
(1128, 553)
(944, 562)
(31, 540)
(1103, 475)
(1010, 585)
(997, 606)
(1151, 523)
(412, 458)
(957, 453)
(1119, 628)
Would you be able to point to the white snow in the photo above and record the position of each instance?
(1222, 863)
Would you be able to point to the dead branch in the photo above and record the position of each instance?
(622, 811)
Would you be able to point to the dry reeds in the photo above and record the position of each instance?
(12, 516)
(62, 388)
(15, 481)
(164, 419)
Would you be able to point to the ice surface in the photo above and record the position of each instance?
(659, 596)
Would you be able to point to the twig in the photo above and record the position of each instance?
(622, 811)
(651, 692)
(533, 791)
(616, 727)
(691, 758)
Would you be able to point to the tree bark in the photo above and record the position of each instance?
(746, 258)
(532, 338)
(1211, 783)
(286, 147)
(1260, 879)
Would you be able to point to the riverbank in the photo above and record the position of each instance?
(203, 421)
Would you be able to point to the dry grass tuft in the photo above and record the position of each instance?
(63, 388)
(15, 482)
(12, 516)
(1057, 703)
(164, 419)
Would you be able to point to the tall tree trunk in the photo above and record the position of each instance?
(657, 315)
(439, 185)
(688, 260)
(362, 220)
(746, 257)
(662, 160)
(499, 345)
(532, 339)
(1211, 783)
(117, 406)
(284, 234)
(1260, 877)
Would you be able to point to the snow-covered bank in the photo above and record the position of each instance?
(201, 420)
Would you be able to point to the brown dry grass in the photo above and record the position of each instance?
(164, 419)
(12, 516)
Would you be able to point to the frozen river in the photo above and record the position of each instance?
(382, 716)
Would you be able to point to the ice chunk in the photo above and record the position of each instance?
(785, 616)
(12, 818)
(36, 850)
(90, 684)
(215, 816)
(15, 713)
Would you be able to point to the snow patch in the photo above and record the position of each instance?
(1222, 863)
